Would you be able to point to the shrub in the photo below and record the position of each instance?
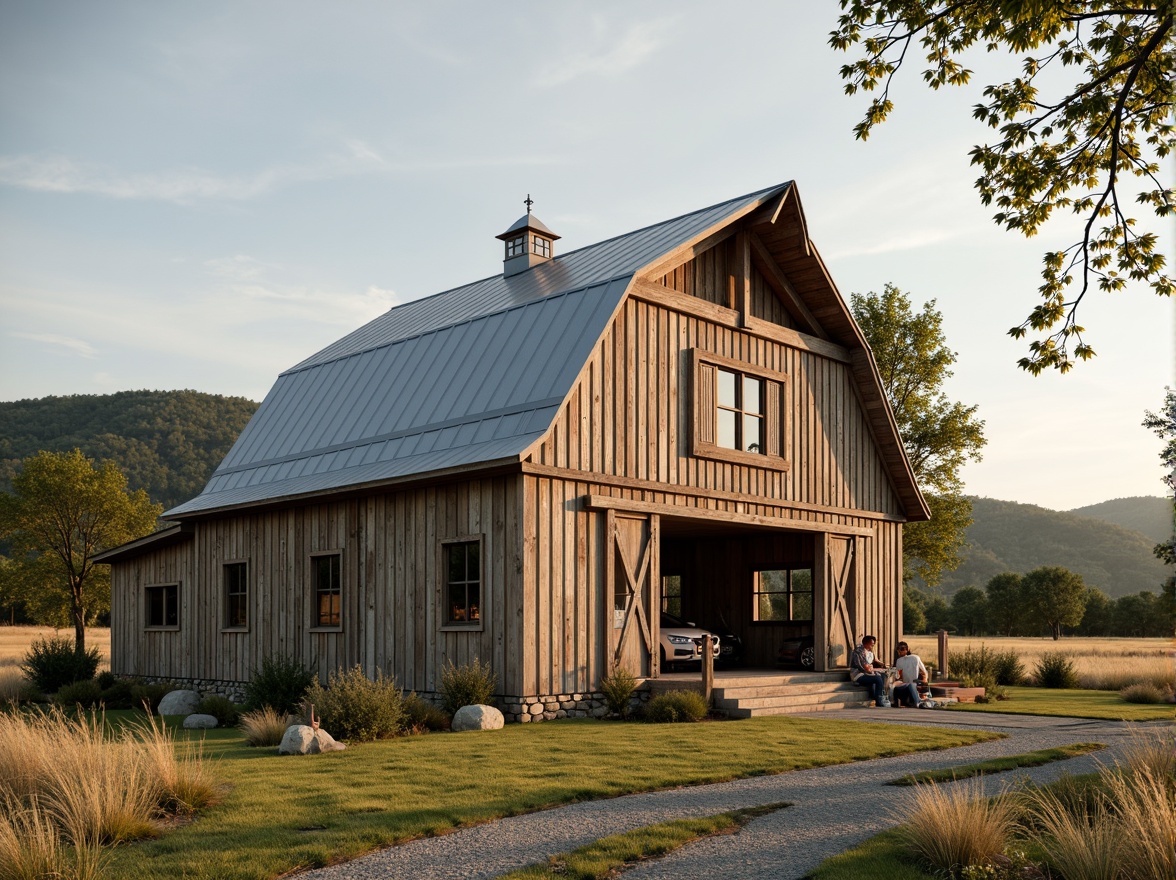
(149, 695)
(280, 683)
(953, 827)
(469, 685)
(265, 726)
(106, 679)
(1004, 667)
(421, 715)
(52, 663)
(986, 680)
(1056, 670)
(618, 690)
(1143, 692)
(675, 706)
(119, 695)
(224, 710)
(353, 707)
(86, 694)
(1008, 668)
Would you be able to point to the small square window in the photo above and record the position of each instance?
(328, 591)
(463, 586)
(163, 605)
(783, 595)
(236, 578)
(540, 246)
(516, 246)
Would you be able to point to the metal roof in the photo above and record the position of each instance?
(470, 376)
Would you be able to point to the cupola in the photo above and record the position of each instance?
(528, 243)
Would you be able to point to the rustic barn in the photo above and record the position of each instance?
(528, 468)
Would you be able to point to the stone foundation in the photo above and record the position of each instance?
(233, 690)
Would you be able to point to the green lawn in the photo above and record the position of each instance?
(1074, 703)
(281, 813)
(999, 765)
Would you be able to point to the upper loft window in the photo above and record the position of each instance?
(540, 247)
(516, 247)
(739, 412)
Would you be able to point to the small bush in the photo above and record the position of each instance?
(1056, 670)
(1003, 667)
(265, 726)
(986, 680)
(86, 694)
(421, 715)
(1143, 692)
(52, 663)
(952, 827)
(676, 706)
(469, 685)
(106, 679)
(353, 707)
(1008, 668)
(280, 683)
(618, 690)
(149, 695)
(224, 710)
(119, 695)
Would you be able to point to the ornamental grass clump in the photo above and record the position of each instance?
(33, 846)
(1144, 692)
(265, 726)
(618, 689)
(471, 684)
(1056, 670)
(356, 708)
(52, 663)
(676, 706)
(1079, 844)
(955, 826)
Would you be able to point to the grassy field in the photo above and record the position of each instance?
(1107, 705)
(15, 641)
(1102, 664)
(281, 813)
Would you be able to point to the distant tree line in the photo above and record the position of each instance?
(1046, 601)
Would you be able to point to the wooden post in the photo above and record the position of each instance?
(708, 667)
(943, 673)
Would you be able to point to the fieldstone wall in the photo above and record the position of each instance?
(233, 690)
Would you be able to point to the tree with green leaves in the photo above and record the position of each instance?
(1163, 425)
(1089, 149)
(1006, 603)
(61, 513)
(939, 434)
(969, 611)
(1054, 597)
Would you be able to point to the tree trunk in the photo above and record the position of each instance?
(78, 613)
(1057, 630)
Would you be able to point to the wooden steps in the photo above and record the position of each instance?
(767, 693)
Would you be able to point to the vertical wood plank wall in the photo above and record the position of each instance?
(391, 588)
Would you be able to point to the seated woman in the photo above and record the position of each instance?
(911, 672)
(869, 672)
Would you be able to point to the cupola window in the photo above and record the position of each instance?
(528, 243)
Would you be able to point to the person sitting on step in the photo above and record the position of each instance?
(911, 672)
(868, 671)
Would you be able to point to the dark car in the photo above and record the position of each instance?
(798, 651)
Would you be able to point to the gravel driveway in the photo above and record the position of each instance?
(834, 808)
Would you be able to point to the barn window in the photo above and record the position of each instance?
(328, 591)
(163, 606)
(236, 586)
(516, 246)
(783, 594)
(672, 594)
(739, 412)
(540, 246)
(463, 583)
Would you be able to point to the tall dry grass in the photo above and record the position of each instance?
(1107, 664)
(33, 847)
(15, 641)
(265, 726)
(12, 685)
(1079, 845)
(954, 825)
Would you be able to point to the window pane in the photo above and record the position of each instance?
(802, 606)
(457, 602)
(456, 562)
(726, 388)
(751, 395)
(802, 579)
(155, 607)
(472, 568)
(725, 428)
(772, 581)
(474, 601)
(752, 427)
(171, 603)
(672, 594)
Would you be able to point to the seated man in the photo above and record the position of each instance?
(869, 672)
(911, 672)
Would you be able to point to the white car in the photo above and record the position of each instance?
(681, 642)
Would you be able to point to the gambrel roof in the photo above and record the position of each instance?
(472, 377)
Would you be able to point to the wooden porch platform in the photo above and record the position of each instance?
(747, 693)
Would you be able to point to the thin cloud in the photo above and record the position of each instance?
(632, 48)
(919, 238)
(69, 343)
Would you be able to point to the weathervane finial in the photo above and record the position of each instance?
(528, 201)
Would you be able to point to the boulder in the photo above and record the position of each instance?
(198, 722)
(179, 703)
(302, 739)
(476, 718)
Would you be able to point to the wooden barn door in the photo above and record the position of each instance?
(632, 545)
(837, 572)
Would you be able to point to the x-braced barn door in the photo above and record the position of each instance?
(838, 567)
(632, 591)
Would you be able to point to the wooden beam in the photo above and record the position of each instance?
(788, 295)
(659, 294)
(610, 503)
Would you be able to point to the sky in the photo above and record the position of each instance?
(202, 195)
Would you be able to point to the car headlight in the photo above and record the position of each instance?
(679, 640)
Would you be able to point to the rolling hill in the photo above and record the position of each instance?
(1148, 514)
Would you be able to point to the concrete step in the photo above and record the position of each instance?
(857, 696)
(814, 706)
(771, 690)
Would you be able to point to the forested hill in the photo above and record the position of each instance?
(1006, 536)
(1150, 515)
(167, 442)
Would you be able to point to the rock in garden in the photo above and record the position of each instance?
(179, 703)
(476, 718)
(302, 739)
(198, 722)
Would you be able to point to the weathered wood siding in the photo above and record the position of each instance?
(392, 588)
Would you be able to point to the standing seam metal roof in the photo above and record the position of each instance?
(469, 376)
